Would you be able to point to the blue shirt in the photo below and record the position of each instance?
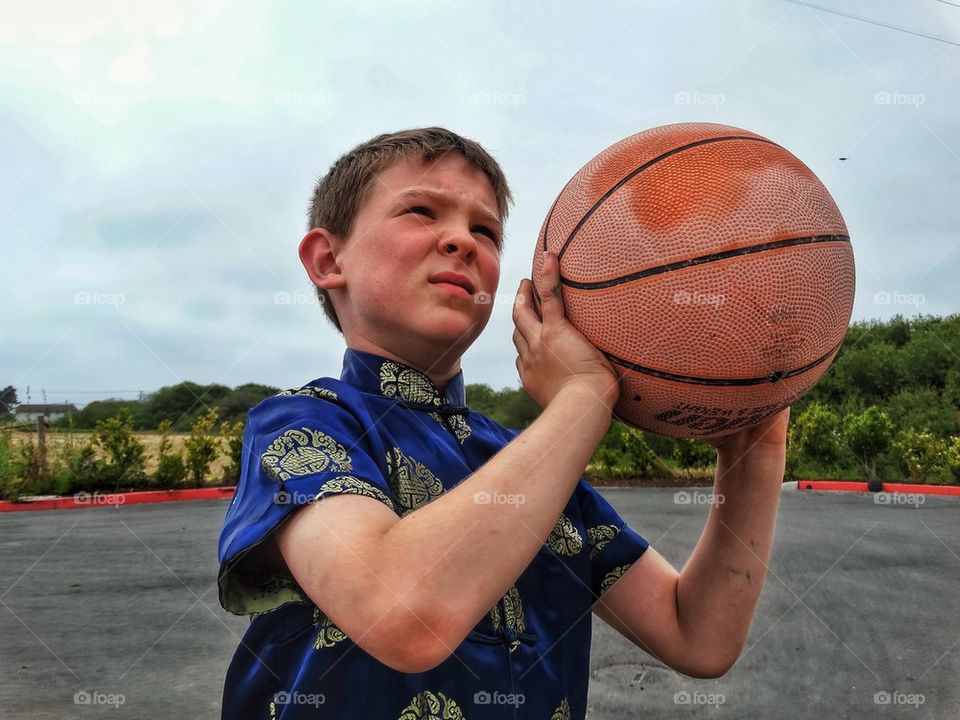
(385, 431)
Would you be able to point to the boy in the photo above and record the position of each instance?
(405, 557)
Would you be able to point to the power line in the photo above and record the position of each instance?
(889, 26)
(947, 2)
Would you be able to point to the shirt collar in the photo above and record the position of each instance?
(382, 376)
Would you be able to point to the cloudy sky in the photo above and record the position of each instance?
(157, 157)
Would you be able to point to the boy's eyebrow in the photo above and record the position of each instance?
(444, 200)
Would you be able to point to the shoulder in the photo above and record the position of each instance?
(318, 400)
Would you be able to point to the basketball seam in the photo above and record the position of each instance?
(703, 259)
(694, 380)
(636, 171)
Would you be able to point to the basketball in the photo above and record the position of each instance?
(711, 267)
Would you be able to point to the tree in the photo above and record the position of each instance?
(8, 402)
(868, 436)
(817, 434)
(123, 452)
(920, 451)
(953, 457)
(202, 447)
(171, 469)
(624, 453)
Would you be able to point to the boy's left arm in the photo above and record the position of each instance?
(696, 621)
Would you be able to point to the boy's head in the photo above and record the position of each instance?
(388, 217)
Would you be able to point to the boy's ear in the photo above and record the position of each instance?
(318, 251)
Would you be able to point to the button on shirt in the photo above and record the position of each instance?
(384, 430)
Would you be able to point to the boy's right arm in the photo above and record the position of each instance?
(408, 590)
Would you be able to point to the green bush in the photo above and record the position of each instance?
(816, 434)
(624, 453)
(171, 469)
(921, 452)
(232, 434)
(124, 460)
(868, 435)
(202, 447)
(692, 453)
(11, 469)
(953, 457)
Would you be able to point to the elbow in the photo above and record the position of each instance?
(410, 643)
(709, 668)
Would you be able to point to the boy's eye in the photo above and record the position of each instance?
(420, 210)
(484, 230)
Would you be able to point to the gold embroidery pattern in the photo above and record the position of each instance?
(412, 482)
(599, 537)
(565, 538)
(430, 706)
(408, 384)
(273, 710)
(303, 452)
(562, 712)
(457, 423)
(328, 634)
(310, 391)
(349, 485)
(612, 577)
(511, 617)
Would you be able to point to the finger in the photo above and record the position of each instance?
(551, 301)
(519, 342)
(524, 316)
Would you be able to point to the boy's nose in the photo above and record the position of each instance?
(458, 244)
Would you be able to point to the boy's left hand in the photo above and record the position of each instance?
(768, 436)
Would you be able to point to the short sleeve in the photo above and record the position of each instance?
(614, 545)
(297, 449)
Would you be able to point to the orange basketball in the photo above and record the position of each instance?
(711, 267)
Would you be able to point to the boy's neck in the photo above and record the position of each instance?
(440, 371)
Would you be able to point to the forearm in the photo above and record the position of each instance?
(456, 556)
(718, 589)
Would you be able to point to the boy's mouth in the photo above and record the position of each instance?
(455, 282)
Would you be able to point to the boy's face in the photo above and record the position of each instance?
(419, 220)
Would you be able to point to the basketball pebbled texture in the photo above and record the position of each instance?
(711, 267)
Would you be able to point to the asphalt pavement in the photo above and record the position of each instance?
(112, 612)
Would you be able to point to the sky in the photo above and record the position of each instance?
(157, 158)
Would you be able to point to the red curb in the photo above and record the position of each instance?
(88, 500)
(887, 487)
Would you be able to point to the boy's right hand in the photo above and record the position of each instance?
(552, 353)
